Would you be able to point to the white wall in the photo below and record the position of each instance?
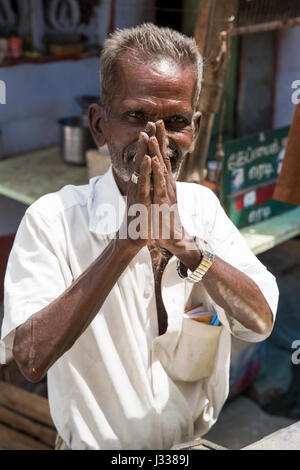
(39, 94)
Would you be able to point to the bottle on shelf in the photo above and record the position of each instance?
(14, 44)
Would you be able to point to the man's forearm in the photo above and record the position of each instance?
(239, 296)
(230, 288)
(49, 333)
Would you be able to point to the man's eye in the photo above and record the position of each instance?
(177, 121)
(136, 115)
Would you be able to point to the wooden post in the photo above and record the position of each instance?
(213, 36)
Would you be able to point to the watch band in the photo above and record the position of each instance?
(201, 270)
(205, 263)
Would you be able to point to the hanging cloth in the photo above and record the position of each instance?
(288, 184)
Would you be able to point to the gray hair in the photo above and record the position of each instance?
(148, 43)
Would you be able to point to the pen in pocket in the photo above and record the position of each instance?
(215, 321)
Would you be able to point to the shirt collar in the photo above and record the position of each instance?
(106, 205)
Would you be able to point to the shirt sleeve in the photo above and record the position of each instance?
(230, 246)
(37, 273)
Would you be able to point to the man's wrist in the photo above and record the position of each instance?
(187, 251)
(128, 245)
(197, 273)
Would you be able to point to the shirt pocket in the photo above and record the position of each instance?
(195, 353)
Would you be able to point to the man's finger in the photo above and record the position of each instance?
(163, 143)
(150, 128)
(159, 181)
(154, 150)
(141, 150)
(145, 176)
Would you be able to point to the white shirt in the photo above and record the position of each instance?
(121, 386)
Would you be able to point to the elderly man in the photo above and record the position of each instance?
(104, 300)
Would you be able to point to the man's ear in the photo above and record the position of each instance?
(196, 125)
(96, 116)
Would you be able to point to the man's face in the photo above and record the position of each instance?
(148, 93)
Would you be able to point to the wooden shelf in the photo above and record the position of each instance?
(271, 232)
(50, 59)
(25, 420)
(29, 176)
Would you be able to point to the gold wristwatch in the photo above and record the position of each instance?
(205, 263)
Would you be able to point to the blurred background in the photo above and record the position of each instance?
(49, 75)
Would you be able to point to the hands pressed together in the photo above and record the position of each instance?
(155, 190)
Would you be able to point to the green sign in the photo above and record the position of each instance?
(250, 171)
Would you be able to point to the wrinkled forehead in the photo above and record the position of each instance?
(133, 59)
(160, 77)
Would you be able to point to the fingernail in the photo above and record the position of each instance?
(149, 126)
(154, 139)
(155, 159)
(143, 135)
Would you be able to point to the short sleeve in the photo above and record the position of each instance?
(37, 273)
(230, 246)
